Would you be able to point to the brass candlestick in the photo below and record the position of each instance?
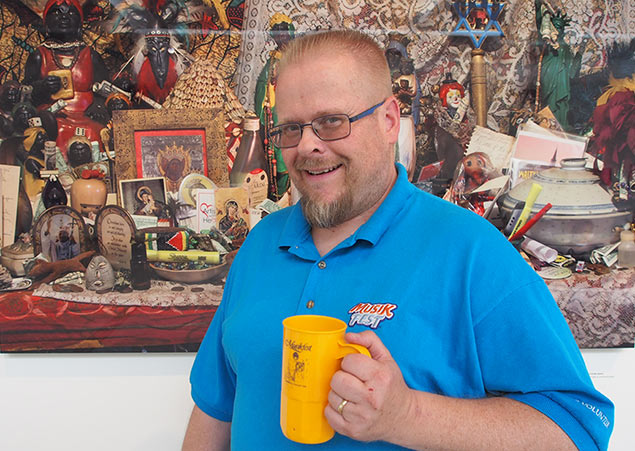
(479, 86)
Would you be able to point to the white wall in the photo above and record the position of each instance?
(129, 402)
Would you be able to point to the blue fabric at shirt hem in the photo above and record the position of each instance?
(560, 416)
(209, 410)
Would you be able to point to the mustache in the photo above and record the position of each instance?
(312, 164)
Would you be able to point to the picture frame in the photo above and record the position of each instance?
(60, 234)
(132, 200)
(170, 143)
(115, 230)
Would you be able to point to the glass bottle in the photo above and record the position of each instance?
(250, 169)
(626, 249)
(139, 269)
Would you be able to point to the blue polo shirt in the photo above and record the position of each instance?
(461, 312)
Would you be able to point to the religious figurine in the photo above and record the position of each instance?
(159, 57)
(20, 115)
(402, 71)
(63, 67)
(281, 30)
(100, 274)
(9, 98)
(79, 149)
(558, 65)
(34, 139)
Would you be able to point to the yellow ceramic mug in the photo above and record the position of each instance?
(313, 348)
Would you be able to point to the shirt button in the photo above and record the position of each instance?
(310, 304)
(322, 264)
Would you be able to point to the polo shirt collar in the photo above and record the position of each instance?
(296, 229)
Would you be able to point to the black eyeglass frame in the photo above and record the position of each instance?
(277, 130)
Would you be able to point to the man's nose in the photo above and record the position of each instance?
(309, 141)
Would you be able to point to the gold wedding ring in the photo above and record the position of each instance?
(340, 408)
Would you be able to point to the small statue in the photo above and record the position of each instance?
(79, 149)
(402, 72)
(34, 139)
(63, 67)
(9, 98)
(160, 58)
(557, 66)
(99, 274)
(53, 193)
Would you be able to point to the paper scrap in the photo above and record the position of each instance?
(497, 146)
(9, 185)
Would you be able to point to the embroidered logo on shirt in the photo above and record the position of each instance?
(367, 314)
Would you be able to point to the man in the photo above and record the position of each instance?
(473, 352)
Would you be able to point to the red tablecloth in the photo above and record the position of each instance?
(32, 323)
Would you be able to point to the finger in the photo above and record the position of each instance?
(348, 386)
(371, 341)
(337, 421)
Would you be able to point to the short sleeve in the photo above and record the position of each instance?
(212, 378)
(527, 352)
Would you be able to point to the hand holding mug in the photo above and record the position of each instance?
(377, 397)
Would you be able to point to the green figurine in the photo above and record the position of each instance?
(281, 30)
(558, 66)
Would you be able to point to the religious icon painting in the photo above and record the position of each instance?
(173, 154)
(144, 197)
(171, 144)
(232, 213)
(60, 234)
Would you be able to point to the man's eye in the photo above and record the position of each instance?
(331, 121)
(291, 129)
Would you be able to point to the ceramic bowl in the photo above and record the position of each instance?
(582, 217)
(213, 273)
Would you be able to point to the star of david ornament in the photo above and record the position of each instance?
(478, 20)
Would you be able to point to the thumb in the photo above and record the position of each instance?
(371, 341)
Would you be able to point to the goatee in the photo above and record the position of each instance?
(327, 215)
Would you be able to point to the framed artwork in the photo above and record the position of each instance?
(60, 234)
(170, 144)
(144, 197)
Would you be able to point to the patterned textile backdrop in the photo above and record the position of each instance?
(511, 60)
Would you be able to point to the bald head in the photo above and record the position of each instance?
(365, 55)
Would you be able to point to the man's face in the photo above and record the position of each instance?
(63, 236)
(342, 179)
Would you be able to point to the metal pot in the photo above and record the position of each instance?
(582, 218)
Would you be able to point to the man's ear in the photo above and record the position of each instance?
(391, 119)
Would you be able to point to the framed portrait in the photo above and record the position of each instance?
(171, 144)
(60, 234)
(144, 197)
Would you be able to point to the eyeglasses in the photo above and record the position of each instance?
(328, 128)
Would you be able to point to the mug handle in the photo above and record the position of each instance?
(349, 348)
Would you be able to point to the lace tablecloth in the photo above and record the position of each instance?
(600, 309)
(162, 293)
